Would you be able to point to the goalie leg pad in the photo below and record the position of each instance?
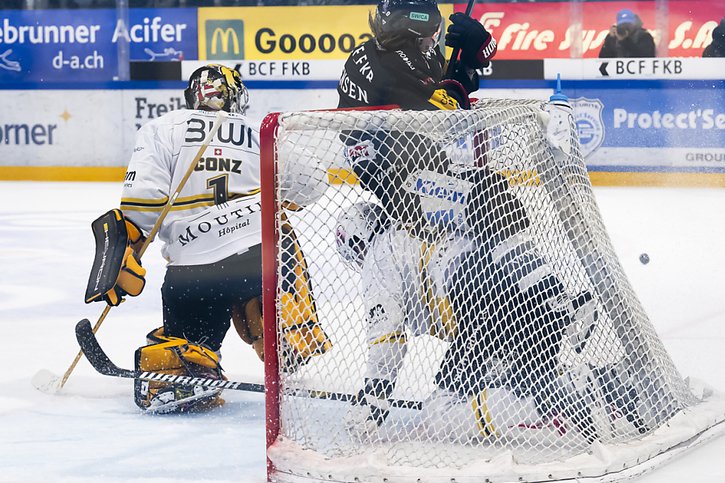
(176, 356)
(303, 336)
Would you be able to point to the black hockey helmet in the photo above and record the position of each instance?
(404, 22)
(215, 87)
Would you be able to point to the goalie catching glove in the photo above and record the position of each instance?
(116, 270)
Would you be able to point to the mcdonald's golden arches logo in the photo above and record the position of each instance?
(224, 39)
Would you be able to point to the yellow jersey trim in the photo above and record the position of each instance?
(392, 338)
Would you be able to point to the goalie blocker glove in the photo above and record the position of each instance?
(477, 45)
(116, 270)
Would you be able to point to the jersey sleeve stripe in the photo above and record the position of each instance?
(141, 202)
(138, 204)
(392, 338)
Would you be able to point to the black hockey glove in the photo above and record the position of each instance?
(468, 78)
(476, 44)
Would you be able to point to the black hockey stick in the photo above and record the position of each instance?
(103, 364)
(454, 55)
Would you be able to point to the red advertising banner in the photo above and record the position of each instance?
(545, 30)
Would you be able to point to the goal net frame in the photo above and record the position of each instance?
(700, 420)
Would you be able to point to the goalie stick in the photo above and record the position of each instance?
(102, 363)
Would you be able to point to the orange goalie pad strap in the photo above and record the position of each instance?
(162, 357)
(300, 328)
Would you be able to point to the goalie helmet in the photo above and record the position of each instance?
(215, 87)
(398, 23)
(356, 228)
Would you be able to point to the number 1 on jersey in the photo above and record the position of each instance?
(220, 185)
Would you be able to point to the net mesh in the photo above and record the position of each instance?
(473, 303)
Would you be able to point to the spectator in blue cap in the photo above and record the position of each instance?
(717, 46)
(628, 38)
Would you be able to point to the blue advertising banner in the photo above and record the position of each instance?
(161, 34)
(632, 129)
(82, 45)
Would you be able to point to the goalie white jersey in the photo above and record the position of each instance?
(217, 213)
(407, 296)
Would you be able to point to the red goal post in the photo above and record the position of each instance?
(270, 207)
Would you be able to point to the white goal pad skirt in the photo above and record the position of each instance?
(490, 300)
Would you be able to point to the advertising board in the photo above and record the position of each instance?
(679, 129)
(285, 33)
(546, 29)
(82, 45)
(83, 128)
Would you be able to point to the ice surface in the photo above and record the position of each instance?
(92, 432)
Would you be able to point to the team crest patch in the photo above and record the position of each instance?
(589, 123)
(362, 151)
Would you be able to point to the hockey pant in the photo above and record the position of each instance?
(199, 300)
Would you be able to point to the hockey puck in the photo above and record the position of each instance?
(644, 258)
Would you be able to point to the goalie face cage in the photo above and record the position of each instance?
(493, 302)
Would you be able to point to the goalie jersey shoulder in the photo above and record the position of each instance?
(226, 176)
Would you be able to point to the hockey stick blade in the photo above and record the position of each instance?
(101, 363)
(46, 382)
(95, 354)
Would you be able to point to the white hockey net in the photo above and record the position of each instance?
(493, 300)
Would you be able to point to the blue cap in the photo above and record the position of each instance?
(558, 95)
(625, 16)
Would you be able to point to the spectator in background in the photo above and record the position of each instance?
(717, 47)
(628, 38)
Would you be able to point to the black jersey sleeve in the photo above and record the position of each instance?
(383, 160)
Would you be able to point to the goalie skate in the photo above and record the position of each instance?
(176, 398)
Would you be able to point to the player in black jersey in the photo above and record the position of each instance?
(508, 303)
(402, 64)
